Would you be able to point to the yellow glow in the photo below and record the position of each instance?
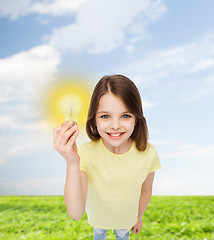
(56, 92)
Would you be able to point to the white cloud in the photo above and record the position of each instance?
(101, 25)
(32, 140)
(177, 70)
(193, 151)
(207, 87)
(21, 77)
(149, 104)
(1, 161)
(165, 142)
(193, 184)
(193, 57)
(21, 137)
(22, 73)
(186, 170)
(15, 9)
(33, 186)
(57, 7)
(33, 65)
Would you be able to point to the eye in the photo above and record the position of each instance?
(105, 116)
(126, 116)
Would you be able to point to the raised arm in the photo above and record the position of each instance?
(75, 191)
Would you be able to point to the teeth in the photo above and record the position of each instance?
(115, 135)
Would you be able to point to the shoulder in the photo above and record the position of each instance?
(149, 153)
(150, 150)
(154, 158)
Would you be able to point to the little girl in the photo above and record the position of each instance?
(112, 175)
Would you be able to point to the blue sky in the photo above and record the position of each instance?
(165, 47)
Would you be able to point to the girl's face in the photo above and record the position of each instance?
(115, 123)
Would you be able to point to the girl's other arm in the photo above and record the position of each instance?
(75, 191)
(146, 193)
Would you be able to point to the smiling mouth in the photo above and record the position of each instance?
(115, 134)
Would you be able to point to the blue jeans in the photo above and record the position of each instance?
(121, 234)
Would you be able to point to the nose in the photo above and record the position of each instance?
(115, 124)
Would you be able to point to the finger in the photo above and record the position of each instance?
(66, 124)
(135, 230)
(64, 127)
(55, 132)
(73, 138)
(59, 131)
(67, 135)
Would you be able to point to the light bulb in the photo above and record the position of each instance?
(71, 106)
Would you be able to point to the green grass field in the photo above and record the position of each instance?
(45, 217)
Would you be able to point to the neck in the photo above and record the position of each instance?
(120, 149)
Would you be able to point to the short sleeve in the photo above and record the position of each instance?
(83, 163)
(155, 164)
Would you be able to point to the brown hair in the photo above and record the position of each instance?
(124, 88)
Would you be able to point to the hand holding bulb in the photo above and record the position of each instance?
(66, 134)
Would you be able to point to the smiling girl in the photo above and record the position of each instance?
(112, 175)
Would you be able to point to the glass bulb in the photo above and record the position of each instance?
(71, 106)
